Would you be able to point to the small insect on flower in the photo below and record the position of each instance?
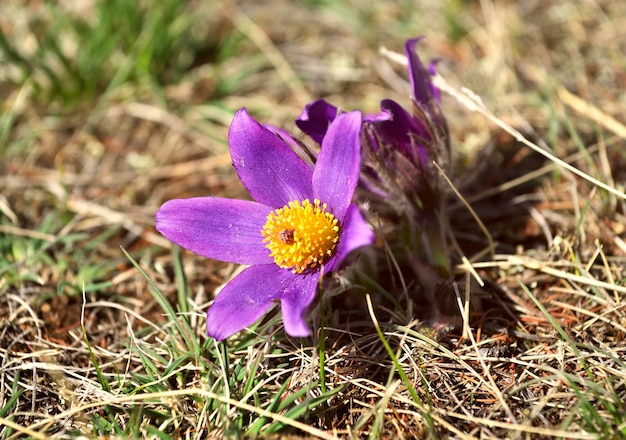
(286, 236)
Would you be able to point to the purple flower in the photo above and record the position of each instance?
(399, 147)
(301, 224)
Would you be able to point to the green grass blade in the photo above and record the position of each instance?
(181, 325)
(558, 328)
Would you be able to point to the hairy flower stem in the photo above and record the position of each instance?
(434, 242)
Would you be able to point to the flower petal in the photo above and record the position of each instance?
(432, 71)
(396, 130)
(378, 117)
(295, 144)
(338, 165)
(355, 233)
(421, 85)
(295, 304)
(271, 172)
(222, 229)
(245, 299)
(250, 294)
(315, 119)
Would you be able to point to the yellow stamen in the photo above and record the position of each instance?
(301, 235)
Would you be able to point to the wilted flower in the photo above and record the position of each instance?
(301, 224)
(399, 147)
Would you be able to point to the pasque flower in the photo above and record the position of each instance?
(301, 224)
(399, 147)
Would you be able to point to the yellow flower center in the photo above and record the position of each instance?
(301, 235)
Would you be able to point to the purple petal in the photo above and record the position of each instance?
(378, 117)
(355, 233)
(295, 304)
(401, 129)
(302, 152)
(315, 119)
(419, 76)
(222, 229)
(250, 294)
(245, 299)
(338, 165)
(432, 71)
(272, 172)
(396, 130)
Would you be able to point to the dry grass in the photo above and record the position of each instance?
(94, 342)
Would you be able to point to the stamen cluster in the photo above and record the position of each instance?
(301, 235)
